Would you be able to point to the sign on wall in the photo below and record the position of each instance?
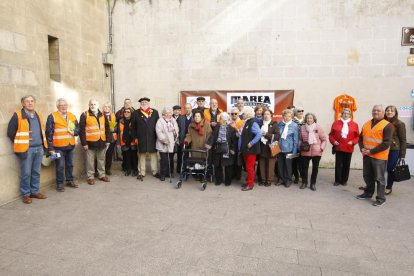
(407, 36)
(275, 100)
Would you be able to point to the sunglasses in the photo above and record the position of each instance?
(234, 113)
(300, 110)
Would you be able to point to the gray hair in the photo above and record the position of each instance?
(379, 105)
(310, 114)
(224, 116)
(248, 112)
(234, 110)
(286, 111)
(61, 100)
(166, 109)
(26, 97)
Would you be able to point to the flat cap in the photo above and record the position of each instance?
(201, 99)
(175, 107)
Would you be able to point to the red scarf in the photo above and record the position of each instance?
(199, 128)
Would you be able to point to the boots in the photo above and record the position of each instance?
(312, 186)
(304, 184)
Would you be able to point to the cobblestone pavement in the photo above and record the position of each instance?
(128, 227)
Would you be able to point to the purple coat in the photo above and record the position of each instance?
(315, 149)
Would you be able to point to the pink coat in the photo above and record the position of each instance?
(315, 149)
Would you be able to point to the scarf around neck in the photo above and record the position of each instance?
(199, 128)
(265, 129)
(170, 125)
(285, 129)
(345, 128)
(311, 133)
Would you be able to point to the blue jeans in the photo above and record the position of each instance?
(30, 171)
(393, 157)
(64, 167)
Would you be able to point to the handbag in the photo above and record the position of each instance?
(305, 146)
(274, 147)
(401, 171)
(333, 149)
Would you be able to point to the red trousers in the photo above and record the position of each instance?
(249, 161)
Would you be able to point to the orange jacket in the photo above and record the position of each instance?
(61, 135)
(207, 115)
(373, 137)
(22, 138)
(121, 134)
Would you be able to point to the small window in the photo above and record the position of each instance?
(54, 60)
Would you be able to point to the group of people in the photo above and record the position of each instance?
(237, 141)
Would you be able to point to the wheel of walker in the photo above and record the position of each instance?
(203, 187)
(178, 185)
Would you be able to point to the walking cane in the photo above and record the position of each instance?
(168, 158)
(139, 177)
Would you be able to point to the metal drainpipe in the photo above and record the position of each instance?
(109, 50)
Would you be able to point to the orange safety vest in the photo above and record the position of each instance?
(207, 115)
(22, 138)
(121, 134)
(114, 134)
(61, 135)
(95, 128)
(373, 137)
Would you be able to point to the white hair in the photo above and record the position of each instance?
(165, 110)
(224, 116)
(248, 112)
(58, 101)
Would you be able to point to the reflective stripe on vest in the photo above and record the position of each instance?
(61, 135)
(94, 130)
(22, 139)
(373, 137)
(114, 134)
(121, 134)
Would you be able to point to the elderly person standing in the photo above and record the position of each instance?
(398, 145)
(95, 137)
(311, 133)
(237, 123)
(288, 143)
(61, 129)
(144, 120)
(212, 114)
(270, 133)
(198, 133)
(27, 133)
(343, 136)
(110, 117)
(374, 141)
(224, 143)
(183, 122)
(297, 163)
(128, 143)
(201, 101)
(167, 137)
(249, 145)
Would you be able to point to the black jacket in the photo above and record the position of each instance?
(247, 135)
(181, 121)
(144, 129)
(231, 142)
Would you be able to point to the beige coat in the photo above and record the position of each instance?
(165, 139)
(198, 141)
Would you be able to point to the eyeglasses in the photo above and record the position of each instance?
(127, 112)
(234, 113)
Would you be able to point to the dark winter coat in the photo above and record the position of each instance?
(272, 134)
(231, 142)
(144, 129)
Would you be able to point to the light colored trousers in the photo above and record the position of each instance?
(99, 154)
(143, 159)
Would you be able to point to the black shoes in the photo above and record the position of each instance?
(312, 187)
(162, 178)
(378, 203)
(364, 196)
(127, 173)
(303, 186)
(157, 175)
(60, 189)
(134, 173)
(337, 183)
(247, 188)
(288, 183)
(388, 191)
(296, 181)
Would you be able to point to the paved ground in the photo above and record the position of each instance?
(128, 227)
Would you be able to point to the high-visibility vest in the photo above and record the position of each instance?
(121, 134)
(373, 137)
(61, 135)
(21, 141)
(114, 134)
(207, 115)
(95, 130)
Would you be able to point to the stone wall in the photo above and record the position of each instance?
(81, 27)
(318, 48)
